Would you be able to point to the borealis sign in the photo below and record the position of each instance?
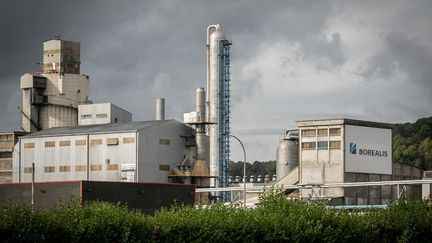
(368, 150)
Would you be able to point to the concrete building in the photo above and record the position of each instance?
(50, 98)
(347, 150)
(103, 113)
(7, 143)
(136, 151)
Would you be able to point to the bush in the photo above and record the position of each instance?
(275, 219)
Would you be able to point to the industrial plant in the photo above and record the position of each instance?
(66, 137)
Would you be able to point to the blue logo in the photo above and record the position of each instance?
(353, 148)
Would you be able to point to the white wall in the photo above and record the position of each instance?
(373, 152)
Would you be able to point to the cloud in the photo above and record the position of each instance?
(291, 60)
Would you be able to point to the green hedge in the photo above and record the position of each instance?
(276, 219)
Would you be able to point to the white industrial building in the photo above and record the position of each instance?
(50, 98)
(102, 113)
(135, 151)
(340, 151)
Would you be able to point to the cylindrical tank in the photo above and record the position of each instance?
(201, 146)
(160, 109)
(286, 155)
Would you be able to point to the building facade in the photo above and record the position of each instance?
(103, 113)
(347, 150)
(7, 143)
(136, 151)
(50, 98)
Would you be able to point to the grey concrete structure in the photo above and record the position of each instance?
(346, 150)
(102, 113)
(7, 143)
(50, 98)
(137, 151)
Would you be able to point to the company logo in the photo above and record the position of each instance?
(367, 152)
(353, 148)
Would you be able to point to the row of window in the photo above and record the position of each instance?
(90, 116)
(78, 168)
(321, 132)
(321, 145)
(63, 143)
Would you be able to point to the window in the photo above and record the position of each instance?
(308, 145)
(335, 144)
(129, 140)
(96, 141)
(65, 143)
(112, 167)
(322, 145)
(80, 142)
(49, 169)
(101, 116)
(308, 133)
(112, 141)
(29, 145)
(49, 144)
(64, 168)
(164, 167)
(335, 131)
(95, 167)
(80, 168)
(28, 169)
(322, 132)
(164, 141)
(85, 117)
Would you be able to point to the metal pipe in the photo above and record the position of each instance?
(160, 109)
(32, 187)
(244, 169)
(217, 27)
(88, 156)
(212, 112)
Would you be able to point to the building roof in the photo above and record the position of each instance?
(100, 128)
(343, 121)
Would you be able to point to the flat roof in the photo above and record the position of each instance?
(99, 128)
(343, 121)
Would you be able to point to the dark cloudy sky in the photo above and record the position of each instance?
(291, 60)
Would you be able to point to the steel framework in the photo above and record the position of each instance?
(224, 118)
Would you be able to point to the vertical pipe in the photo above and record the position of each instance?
(19, 161)
(88, 157)
(32, 186)
(160, 109)
(136, 157)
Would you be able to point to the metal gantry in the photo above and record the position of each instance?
(224, 118)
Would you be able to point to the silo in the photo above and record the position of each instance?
(287, 154)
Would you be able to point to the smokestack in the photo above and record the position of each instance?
(200, 103)
(160, 109)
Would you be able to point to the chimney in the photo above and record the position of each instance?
(160, 109)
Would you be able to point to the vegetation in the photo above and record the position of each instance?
(412, 143)
(276, 219)
(257, 168)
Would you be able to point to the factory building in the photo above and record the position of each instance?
(103, 113)
(7, 143)
(50, 98)
(135, 151)
(340, 151)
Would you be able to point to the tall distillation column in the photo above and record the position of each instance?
(218, 104)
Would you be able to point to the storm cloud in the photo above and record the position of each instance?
(291, 60)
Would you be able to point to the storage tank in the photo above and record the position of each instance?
(287, 154)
